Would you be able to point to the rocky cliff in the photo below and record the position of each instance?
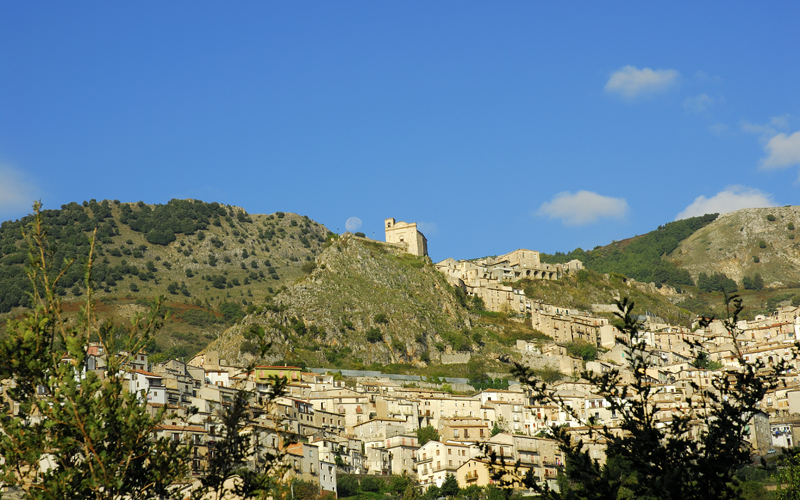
(365, 300)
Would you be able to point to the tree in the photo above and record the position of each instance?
(789, 477)
(427, 433)
(371, 483)
(500, 425)
(78, 435)
(652, 459)
(346, 486)
(582, 349)
(450, 486)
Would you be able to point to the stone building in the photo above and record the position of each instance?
(491, 278)
(407, 234)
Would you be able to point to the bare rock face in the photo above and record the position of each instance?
(365, 300)
(746, 242)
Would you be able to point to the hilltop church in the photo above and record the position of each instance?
(406, 234)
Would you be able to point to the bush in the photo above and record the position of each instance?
(381, 318)
(346, 486)
(582, 349)
(374, 335)
(756, 259)
(371, 484)
(717, 282)
(771, 218)
(762, 244)
(361, 235)
(198, 317)
(232, 311)
(790, 226)
(308, 267)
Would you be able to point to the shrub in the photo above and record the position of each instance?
(346, 486)
(360, 234)
(582, 349)
(231, 311)
(398, 346)
(308, 267)
(381, 318)
(762, 244)
(371, 484)
(374, 335)
(790, 226)
(756, 259)
(771, 218)
(198, 317)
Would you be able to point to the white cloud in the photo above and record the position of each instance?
(766, 131)
(705, 77)
(781, 122)
(428, 228)
(630, 82)
(353, 224)
(698, 103)
(782, 151)
(718, 128)
(17, 192)
(731, 199)
(583, 207)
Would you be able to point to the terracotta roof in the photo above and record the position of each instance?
(169, 427)
(295, 449)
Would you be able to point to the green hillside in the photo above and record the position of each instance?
(370, 305)
(211, 261)
(641, 257)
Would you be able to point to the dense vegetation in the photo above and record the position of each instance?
(640, 258)
(209, 260)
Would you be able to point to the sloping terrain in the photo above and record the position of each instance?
(365, 301)
(210, 260)
(743, 243)
(641, 257)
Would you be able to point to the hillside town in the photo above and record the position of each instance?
(372, 425)
(328, 423)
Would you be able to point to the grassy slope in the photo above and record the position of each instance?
(596, 288)
(183, 335)
(356, 281)
(728, 245)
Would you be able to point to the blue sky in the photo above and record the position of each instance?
(494, 125)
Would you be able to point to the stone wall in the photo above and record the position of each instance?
(456, 358)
